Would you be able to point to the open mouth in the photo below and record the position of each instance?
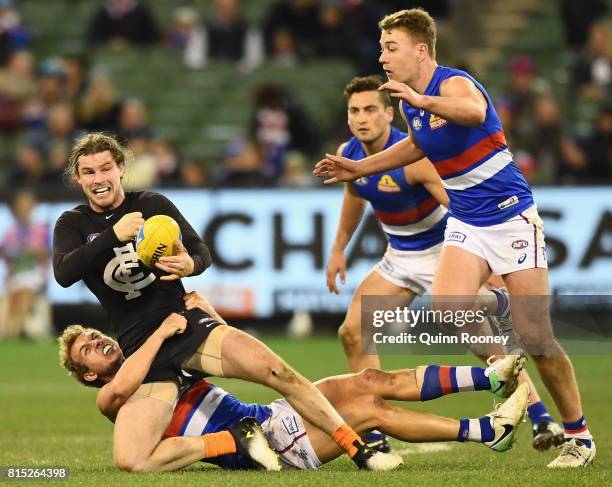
(107, 349)
(102, 191)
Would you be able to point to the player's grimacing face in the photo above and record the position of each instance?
(368, 118)
(100, 354)
(399, 55)
(100, 178)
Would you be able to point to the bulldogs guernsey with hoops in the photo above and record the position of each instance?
(206, 408)
(491, 206)
(484, 185)
(412, 219)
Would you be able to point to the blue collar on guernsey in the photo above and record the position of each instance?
(434, 81)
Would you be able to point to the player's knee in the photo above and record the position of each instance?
(374, 377)
(539, 342)
(442, 304)
(349, 336)
(127, 464)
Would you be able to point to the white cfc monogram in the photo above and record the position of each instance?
(121, 273)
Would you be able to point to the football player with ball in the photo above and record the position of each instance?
(95, 243)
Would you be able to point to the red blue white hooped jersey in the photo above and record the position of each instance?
(409, 215)
(205, 408)
(483, 184)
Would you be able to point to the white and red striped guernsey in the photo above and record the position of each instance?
(483, 184)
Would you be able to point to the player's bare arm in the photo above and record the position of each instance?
(353, 207)
(132, 372)
(460, 101)
(339, 168)
(423, 172)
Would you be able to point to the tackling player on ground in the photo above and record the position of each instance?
(95, 243)
(494, 225)
(206, 412)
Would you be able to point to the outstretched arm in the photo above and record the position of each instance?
(133, 371)
(339, 168)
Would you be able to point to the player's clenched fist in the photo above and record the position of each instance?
(128, 226)
(174, 324)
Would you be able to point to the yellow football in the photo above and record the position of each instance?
(156, 239)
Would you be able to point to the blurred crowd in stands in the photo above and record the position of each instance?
(46, 103)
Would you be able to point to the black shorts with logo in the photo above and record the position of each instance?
(177, 349)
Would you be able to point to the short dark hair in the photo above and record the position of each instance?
(94, 143)
(367, 83)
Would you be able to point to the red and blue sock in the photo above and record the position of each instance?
(440, 380)
(579, 430)
(478, 430)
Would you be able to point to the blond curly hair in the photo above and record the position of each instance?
(76, 370)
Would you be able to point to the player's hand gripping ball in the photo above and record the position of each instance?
(156, 239)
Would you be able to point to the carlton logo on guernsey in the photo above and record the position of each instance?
(483, 184)
(410, 216)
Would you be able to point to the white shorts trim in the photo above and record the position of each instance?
(514, 245)
(286, 433)
(410, 269)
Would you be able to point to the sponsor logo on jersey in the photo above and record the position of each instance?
(422, 112)
(520, 244)
(123, 274)
(416, 123)
(387, 185)
(522, 258)
(290, 425)
(436, 122)
(513, 200)
(455, 237)
(362, 181)
(92, 236)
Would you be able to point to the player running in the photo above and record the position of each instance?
(206, 411)
(494, 225)
(410, 203)
(95, 243)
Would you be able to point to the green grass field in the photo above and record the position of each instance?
(48, 419)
